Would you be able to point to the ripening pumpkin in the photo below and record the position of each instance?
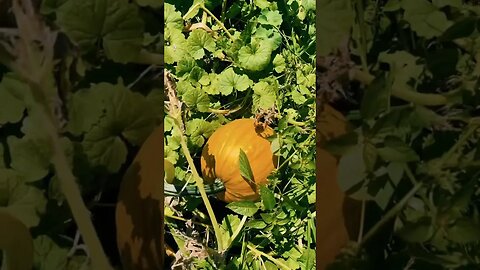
(139, 221)
(338, 215)
(220, 158)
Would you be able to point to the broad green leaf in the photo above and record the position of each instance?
(197, 130)
(376, 98)
(268, 197)
(198, 99)
(245, 208)
(48, 255)
(424, 18)
(127, 116)
(23, 201)
(30, 156)
(444, 3)
(256, 224)
(403, 67)
(198, 41)
(228, 81)
(50, 6)
(175, 45)
(245, 168)
(116, 23)
(464, 231)
(396, 150)
(12, 93)
(270, 18)
(417, 232)
(264, 95)
(255, 56)
(352, 172)
(85, 109)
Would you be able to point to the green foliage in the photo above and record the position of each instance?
(239, 61)
(413, 152)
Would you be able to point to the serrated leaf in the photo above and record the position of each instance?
(30, 156)
(270, 17)
(245, 168)
(264, 95)
(175, 45)
(49, 255)
(245, 208)
(115, 22)
(127, 115)
(198, 41)
(256, 224)
(23, 201)
(228, 81)
(255, 56)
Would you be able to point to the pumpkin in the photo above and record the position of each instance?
(338, 215)
(139, 218)
(16, 243)
(220, 158)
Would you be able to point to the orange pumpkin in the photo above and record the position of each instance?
(139, 218)
(338, 215)
(220, 158)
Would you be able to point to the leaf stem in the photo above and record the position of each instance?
(425, 99)
(202, 6)
(272, 259)
(175, 111)
(391, 213)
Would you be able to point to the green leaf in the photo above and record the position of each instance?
(12, 93)
(229, 226)
(460, 29)
(424, 18)
(175, 45)
(264, 95)
(417, 232)
(48, 255)
(228, 80)
(269, 17)
(114, 22)
(464, 231)
(127, 116)
(198, 99)
(199, 41)
(268, 197)
(376, 98)
(396, 150)
(256, 224)
(245, 168)
(352, 172)
(403, 67)
(279, 63)
(245, 208)
(30, 156)
(255, 56)
(21, 200)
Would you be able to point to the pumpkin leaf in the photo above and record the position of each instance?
(245, 168)
(245, 208)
